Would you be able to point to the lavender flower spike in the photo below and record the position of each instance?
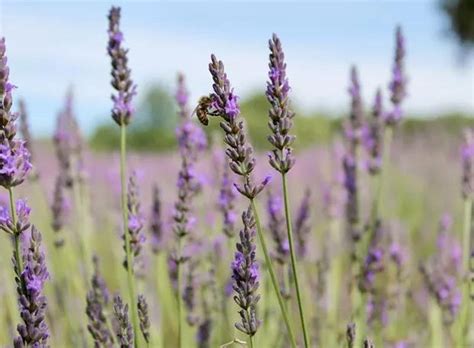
(156, 222)
(34, 331)
(280, 114)
(26, 134)
(302, 226)
(352, 202)
(22, 218)
(135, 219)
(276, 226)
(245, 275)
(354, 129)
(397, 86)
(223, 103)
(467, 160)
(142, 306)
(124, 331)
(226, 203)
(351, 335)
(97, 301)
(121, 80)
(59, 209)
(373, 138)
(14, 156)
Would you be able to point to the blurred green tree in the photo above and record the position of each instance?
(461, 17)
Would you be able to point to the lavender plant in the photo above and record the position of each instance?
(302, 226)
(26, 135)
(124, 330)
(14, 158)
(135, 238)
(142, 306)
(245, 275)
(281, 157)
(191, 140)
(59, 210)
(226, 203)
(223, 103)
(34, 331)
(467, 184)
(156, 222)
(442, 274)
(122, 112)
(98, 299)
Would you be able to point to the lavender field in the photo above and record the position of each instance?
(362, 241)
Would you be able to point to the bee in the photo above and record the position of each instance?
(202, 109)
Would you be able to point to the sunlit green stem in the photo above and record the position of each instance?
(271, 271)
(16, 236)
(294, 268)
(130, 278)
(178, 296)
(251, 341)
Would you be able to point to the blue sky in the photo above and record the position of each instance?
(52, 44)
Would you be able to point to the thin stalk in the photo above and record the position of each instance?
(467, 308)
(251, 341)
(376, 209)
(16, 236)
(178, 297)
(81, 232)
(387, 145)
(269, 265)
(289, 229)
(130, 279)
(466, 235)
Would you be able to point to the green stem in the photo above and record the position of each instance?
(130, 279)
(467, 307)
(289, 229)
(178, 296)
(16, 235)
(251, 341)
(269, 265)
(466, 236)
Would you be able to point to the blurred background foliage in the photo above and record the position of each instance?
(154, 126)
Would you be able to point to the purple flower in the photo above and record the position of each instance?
(231, 107)
(245, 276)
(277, 228)
(22, 211)
(34, 331)
(355, 126)
(467, 162)
(14, 162)
(142, 307)
(302, 225)
(59, 208)
(397, 86)
(226, 203)
(97, 301)
(373, 139)
(68, 143)
(25, 133)
(352, 192)
(189, 293)
(156, 222)
(223, 103)
(123, 329)
(281, 157)
(121, 81)
(443, 273)
(135, 219)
